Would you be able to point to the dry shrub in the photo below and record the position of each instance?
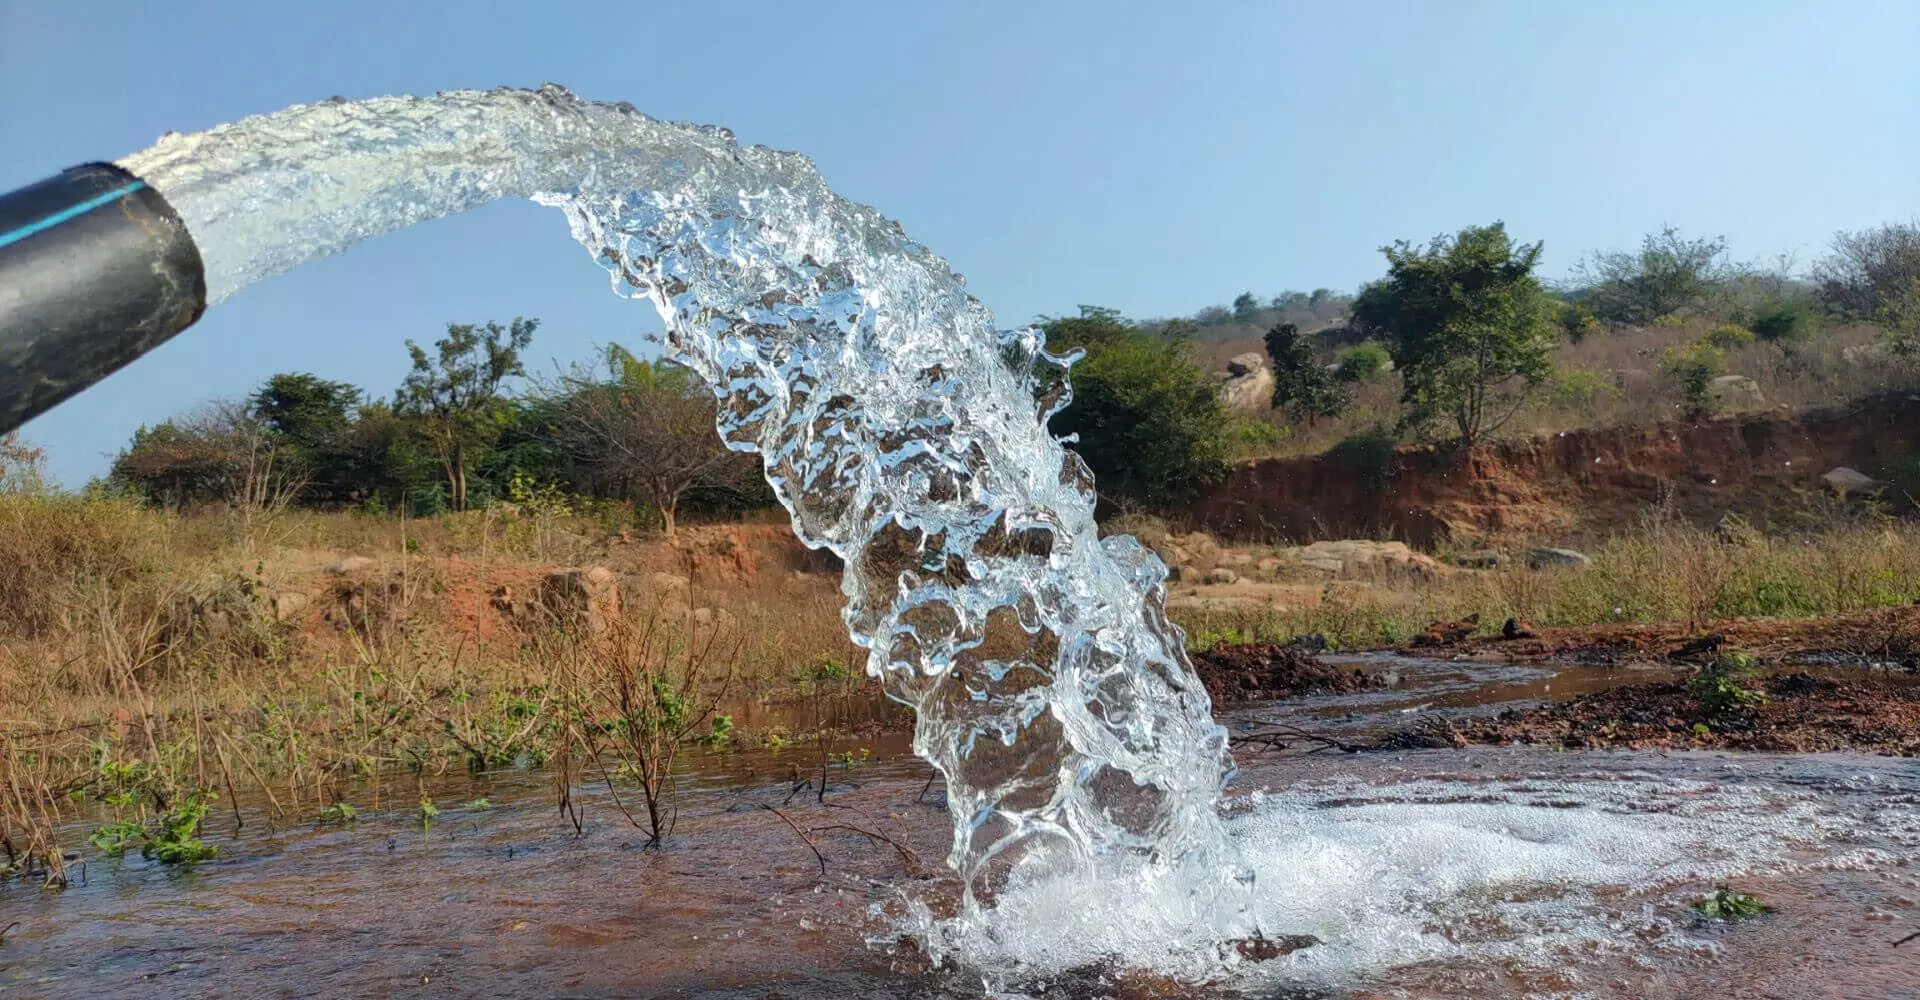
(51, 543)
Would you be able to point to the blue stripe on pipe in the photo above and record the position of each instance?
(69, 212)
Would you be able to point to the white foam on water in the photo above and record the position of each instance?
(1538, 874)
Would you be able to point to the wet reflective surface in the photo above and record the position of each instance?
(1423, 864)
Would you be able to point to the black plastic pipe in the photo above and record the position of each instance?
(96, 269)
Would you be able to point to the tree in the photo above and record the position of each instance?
(1301, 385)
(1467, 323)
(646, 431)
(1874, 276)
(1668, 274)
(308, 418)
(1150, 423)
(455, 394)
(1245, 307)
(220, 454)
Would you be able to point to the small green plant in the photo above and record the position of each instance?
(722, 732)
(852, 761)
(1694, 368)
(173, 839)
(1720, 690)
(117, 838)
(426, 814)
(480, 804)
(1785, 319)
(1726, 904)
(339, 814)
(177, 842)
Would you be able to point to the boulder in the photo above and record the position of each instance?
(285, 606)
(1221, 576)
(350, 565)
(1866, 355)
(1236, 560)
(1543, 558)
(1353, 556)
(582, 596)
(1843, 481)
(1735, 390)
(1270, 567)
(1247, 384)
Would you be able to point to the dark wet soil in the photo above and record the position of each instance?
(1270, 671)
(1888, 638)
(1802, 713)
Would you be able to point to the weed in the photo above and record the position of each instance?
(426, 814)
(1728, 905)
(339, 814)
(1720, 690)
(480, 805)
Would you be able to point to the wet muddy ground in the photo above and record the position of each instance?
(511, 901)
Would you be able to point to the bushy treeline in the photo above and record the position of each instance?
(465, 428)
(1465, 325)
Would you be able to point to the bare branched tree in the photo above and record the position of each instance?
(645, 430)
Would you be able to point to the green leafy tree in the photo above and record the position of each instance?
(1668, 274)
(1301, 385)
(1469, 326)
(308, 418)
(1149, 419)
(455, 394)
(1245, 307)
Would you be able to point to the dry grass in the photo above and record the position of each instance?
(143, 660)
(1663, 571)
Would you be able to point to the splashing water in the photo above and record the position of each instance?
(902, 431)
(896, 424)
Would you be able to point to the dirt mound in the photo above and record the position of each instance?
(1268, 671)
(1803, 713)
(1584, 483)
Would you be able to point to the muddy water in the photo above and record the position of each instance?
(512, 900)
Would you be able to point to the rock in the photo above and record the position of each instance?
(1247, 385)
(1237, 560)
(1269, 567)
(588, 596)
(1735, 390)
(1543, 558)
(1247, 363)
(669, 584)
(714, 617)
(1352, 556)
(1514, 628)
(285, 606)
(350, 565)
(1221, 576)
(1481, 559)
(1843, 481)
(1866, 355)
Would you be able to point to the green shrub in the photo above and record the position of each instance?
(1362, 362)
(1729, 337)
(1694, 368)
(1785, 319)
(1369, 455)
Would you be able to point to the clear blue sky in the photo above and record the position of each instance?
(1152, 157)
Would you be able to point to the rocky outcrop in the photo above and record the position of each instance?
(1247, 385)
(1734, 391)
(1354, 557)
(1844, 481)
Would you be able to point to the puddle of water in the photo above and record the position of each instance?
(1482, 873)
